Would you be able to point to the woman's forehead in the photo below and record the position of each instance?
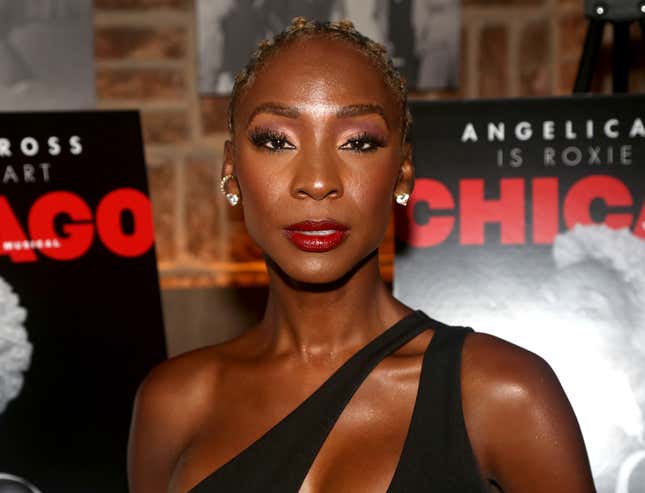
(321, 75)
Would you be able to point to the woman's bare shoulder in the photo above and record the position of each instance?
(174, 400)
(189, 380)
(519, 418)
(491, 362)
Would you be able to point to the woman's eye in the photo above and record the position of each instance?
(271, 141)
(278, 143)
(362, 144)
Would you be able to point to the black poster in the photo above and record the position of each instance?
(80, 314)
(527, 221)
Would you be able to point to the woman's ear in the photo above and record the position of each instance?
(227, 166)
(228, 184)
(405, 181)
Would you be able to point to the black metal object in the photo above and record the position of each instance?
(589, 57)
(620, 56)
(621, 14)
(613, 10)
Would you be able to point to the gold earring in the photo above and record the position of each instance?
(402, 198)
(232, 198)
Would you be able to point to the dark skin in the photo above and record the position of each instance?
(335, 151)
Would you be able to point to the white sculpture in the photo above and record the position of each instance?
(15, 349)
(13, 484)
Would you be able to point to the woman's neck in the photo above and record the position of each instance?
(315, 321)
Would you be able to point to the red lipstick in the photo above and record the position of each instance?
(316, 236)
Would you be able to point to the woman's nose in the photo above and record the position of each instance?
(317, 176)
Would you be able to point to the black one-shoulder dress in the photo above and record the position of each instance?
(437, 456)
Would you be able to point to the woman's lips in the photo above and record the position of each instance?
(316, 236)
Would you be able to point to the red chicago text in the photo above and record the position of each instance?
(79, 226)
(523, 207)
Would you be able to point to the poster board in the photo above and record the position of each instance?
(80, 312)
(527, 221)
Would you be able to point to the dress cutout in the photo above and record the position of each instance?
(436, 457)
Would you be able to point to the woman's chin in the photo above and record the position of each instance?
(314, 273)
(318, 272)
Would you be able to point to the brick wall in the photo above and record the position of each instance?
(146, 59)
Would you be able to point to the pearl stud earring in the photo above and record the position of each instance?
(402, 198)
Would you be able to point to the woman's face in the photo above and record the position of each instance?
(317, 146)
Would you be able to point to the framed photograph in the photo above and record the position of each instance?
(421, 36)
(46, 55)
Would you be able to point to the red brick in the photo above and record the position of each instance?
(140, 84)
(604, 70)
(603, 75)
(163, 191)
(165, 127)
(208, 239)
(202, 203)
(493, 62)
(573, 29)
(568, 71)
(637, 80)
(535, 69)
(213, 113)
(510, 3)
(240, 246)
(159, 43)
(142, 4)
(464, 57)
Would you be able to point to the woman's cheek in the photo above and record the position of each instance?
(377, 188)
(261, 210)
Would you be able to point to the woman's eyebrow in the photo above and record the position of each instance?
(276, 109)
(361, 109)
(344, 112)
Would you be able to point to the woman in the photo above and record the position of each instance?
(325, 394)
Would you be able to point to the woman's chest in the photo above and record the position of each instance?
(360, 453)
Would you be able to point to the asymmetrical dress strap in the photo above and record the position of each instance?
(281, 458)
(437, 455)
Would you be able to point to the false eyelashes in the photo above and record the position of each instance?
(271, 140)
(363, 142)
